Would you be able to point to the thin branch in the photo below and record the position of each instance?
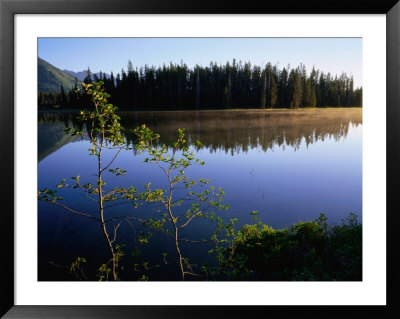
(194, 241)
(189, 220)
(193, 274)
(115, 156)
(70, 270)
(193, 216)
(115, 232)
(133, 228)
(76, 212)
(56, 265)
(86, 192)
(112, 192)
(105, 207)
(185, 199)
(126, 217)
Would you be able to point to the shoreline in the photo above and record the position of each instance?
(125, 110)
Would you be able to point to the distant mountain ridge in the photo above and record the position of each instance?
(50, 78)
(82, 74)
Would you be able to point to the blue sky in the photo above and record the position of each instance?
(334, 55)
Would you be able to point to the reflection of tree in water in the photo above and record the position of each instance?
(237, 131)
(60, 117)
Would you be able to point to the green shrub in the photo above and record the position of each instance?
(306, 251)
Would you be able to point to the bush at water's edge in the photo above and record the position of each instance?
(306, 251)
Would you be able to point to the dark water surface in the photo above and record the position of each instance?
(289, 165)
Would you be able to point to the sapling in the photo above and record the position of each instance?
(105, 133)
(203, 199)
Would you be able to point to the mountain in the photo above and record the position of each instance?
(82, 74)
(51, 78)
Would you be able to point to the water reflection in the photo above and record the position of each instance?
(229, 131)
(288, 165)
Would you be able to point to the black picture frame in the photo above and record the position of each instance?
(8, 8)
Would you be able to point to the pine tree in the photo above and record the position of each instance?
(197, 88)
(226, 97)
(308, 94)
(283, 89)
(88, 78)
(112, 80)
(273, 96)
(296, 90)
(357, 97)
(130, 67)
(263, 99)
(313, 102)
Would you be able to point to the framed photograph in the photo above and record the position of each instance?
(188, 160)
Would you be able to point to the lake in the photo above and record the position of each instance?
(289, 165)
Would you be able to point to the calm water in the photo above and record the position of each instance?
(288, 165)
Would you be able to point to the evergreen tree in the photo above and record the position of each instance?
(295, 89)
(309, 99)
(88, 78)
(357, 97)
(197, 88)
(273, 96)
(263, 99)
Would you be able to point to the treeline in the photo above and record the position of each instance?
(233, 85)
